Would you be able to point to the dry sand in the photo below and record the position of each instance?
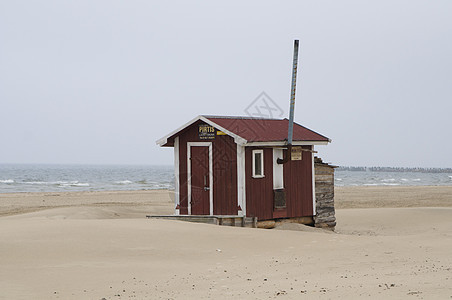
(393, 196)
(394, 243)
(151, 202)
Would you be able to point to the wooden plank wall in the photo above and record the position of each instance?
(225, 176)
(324, 193)
(224, 169)
(259, 191)
(298, 185)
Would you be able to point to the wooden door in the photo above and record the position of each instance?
(200, 181)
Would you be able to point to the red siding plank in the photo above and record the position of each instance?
(225, 176)
(298, 185)
(259, 191)
(224, 171)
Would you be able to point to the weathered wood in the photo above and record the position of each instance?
(324, 195)
(268, 224)
(300, 220)
(216, 220)
(323, 178)
(326, 219)
(329, 226)
(327, 195)
(325, 210)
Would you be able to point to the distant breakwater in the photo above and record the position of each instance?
(395, 169)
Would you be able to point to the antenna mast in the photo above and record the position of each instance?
(292, 103)
(292, 93)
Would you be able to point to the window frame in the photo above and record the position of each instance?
(253, 157)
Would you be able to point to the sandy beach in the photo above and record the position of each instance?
(390, 242)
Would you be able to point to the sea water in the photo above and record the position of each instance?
(58, 178)
(380, 178)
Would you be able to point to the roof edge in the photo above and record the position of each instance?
(162, 141)
(326, 138)
(239, 117)
(238, 139)
(284, 143)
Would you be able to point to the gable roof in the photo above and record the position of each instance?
(255, 131)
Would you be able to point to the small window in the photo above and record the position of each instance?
(258, 163)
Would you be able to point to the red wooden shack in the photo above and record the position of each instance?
(228, 166)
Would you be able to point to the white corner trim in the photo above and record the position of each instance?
(313, 183)
(278, 169)
(241, 187)
(176, 176)
(200, 144)
(210, 180)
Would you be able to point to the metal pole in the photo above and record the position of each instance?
(292, 94)
(292, 105)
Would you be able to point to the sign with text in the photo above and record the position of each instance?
(296, 154)
(206, 132)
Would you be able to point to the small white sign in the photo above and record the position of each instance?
(297, 153)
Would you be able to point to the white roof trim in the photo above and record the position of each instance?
(238, 139)
(164, 139)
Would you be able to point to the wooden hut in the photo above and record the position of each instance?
(228, 166)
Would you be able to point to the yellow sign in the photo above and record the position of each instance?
(206, 132)
(220, 132)
(296, 154)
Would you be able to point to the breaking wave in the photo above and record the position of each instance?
(7, 181)
(123, 182)
(56, 183)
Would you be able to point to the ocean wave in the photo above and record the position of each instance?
(57, 183)
(75, 184)
(162, 185)
(39, 183)
(381, 184)
(123, 182)
(388, 180)
(45, 182)
(7, 181)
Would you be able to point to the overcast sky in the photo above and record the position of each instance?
(96, 82)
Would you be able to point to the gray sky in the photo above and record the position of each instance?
(101, 81)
